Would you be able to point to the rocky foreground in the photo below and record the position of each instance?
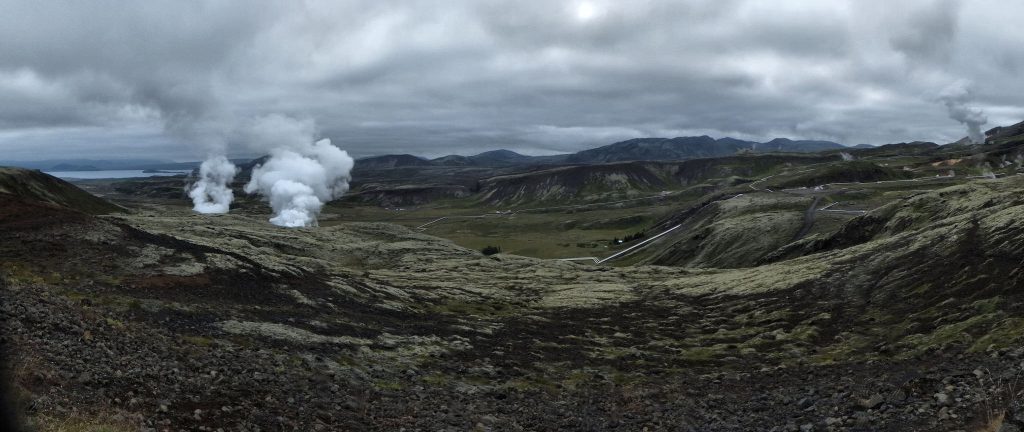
(910, 318)
(87, 368)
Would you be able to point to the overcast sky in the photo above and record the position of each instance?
(179, 79)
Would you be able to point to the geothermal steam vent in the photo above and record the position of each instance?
(211, 193)
(296, 181)
(955, 97)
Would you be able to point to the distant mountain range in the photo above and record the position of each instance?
(639, 149)
(658, 149)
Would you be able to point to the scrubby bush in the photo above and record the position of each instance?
(631, 237)
(491, 250)
(635, 236)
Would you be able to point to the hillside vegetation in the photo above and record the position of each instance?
(36, 186)
(588, 183)
(741, 297)
(847, 172)
(255, 325)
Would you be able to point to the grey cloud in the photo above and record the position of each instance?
(171, 78)
(928, 32)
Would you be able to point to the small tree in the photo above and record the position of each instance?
(635, 236)
(490, 250)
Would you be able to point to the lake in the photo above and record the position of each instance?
(110, 174)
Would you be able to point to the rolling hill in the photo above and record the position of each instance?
(659, 149)
(587, 182)
(624, 180)
(36, 186)
(390, 161)
(800, 146)
(1004, 133)
(904, 316)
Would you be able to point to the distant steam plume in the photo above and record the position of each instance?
(986, 171)
(956, 97)
(191, 112)
(846, 156)
(211, 193)
(298, 181)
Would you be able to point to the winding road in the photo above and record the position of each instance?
(808, 222)
(646, 242)
(809, 214)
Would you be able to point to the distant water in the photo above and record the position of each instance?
(109, 174)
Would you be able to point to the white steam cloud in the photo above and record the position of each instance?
(299, 180)
(846, 156)
(956, 97)
(300, 175)
(986, 171)
(211, 193)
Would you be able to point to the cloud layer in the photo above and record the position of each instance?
(170, 80)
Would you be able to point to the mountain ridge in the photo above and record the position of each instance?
(635, 149)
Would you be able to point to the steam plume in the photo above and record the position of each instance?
(956, 97)
(299, 176)
(212, 192)
(986, 171)
(298, 181)
(846, 156)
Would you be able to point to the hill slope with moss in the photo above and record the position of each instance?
(36, 186)
(624, 180)
(183, 321)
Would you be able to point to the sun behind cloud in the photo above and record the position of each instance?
(586, 11)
